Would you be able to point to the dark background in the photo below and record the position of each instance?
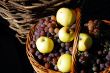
(13, 58)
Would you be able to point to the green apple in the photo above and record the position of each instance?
(66, 34)
(64, 63)
(85, 42)
(44, 44)
(65, 16)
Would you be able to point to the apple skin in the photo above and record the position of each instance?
(85, 42)
(44, 44)
(65, 16)
(65, 34)
(64, 63)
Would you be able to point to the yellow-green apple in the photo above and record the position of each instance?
(64, 63)
(85, 42)
(65, 16)
(66, 34)
(44, 44)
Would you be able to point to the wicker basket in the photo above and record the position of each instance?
(23, 14)
(41, 69)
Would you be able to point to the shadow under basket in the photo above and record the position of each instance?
(41, 69)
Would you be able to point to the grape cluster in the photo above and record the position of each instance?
(49, 28)
(94, 60)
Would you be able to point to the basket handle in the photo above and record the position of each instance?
(75, 43)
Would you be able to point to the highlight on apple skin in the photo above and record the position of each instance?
(65, 16)
(44, 44)
(64, 63)
(85, 42)
(65, 34)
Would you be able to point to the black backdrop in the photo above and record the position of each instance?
(13, 58)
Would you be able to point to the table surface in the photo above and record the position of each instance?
(13, 57)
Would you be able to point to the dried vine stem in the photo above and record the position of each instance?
(75, 44)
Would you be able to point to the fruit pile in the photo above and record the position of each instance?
(52, 45)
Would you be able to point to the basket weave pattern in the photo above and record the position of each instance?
(23, 14)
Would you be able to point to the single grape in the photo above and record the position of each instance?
(40, 56)
(94, 68)
(54, 60)
(48, 58)
(51, 30)
(48, 34)
(37, 53)
(67, 52)
(56, 30)
(99, 52)
(56, 54)
(62, 45)
(45, 59)
(98, 61)
(47, 65)
(49, 25)
(58, 40)
(42, 33)
(107, 57)
(107, 64)
(53, 18)
(55, 67)
(71, 49)
(33, 46)
(82, 71)
(102, 66)
(67, 48)
(32, 50)
(67, 44)
(51, 55)
(61, 50)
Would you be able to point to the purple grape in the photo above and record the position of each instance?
(99, 52)
(67, 48)
(46, 29)
(102, 66)
(86, 54)
(104, 52)
(61, 50)
(48, 58)
(37, 33)
(55, 67)
(107, 57)
(58, 40)
(98, 61)
(109, 53)
(82, 71)
(45, 59)
(107, 64)
(94, 68)
(67, 52)
(67, 44)
(54, 61)
(37, 53)
(33, 46)
(41, 21)
(51, 55)
(62, 45)
(47, 65)
(42, 33)
(56, 54)
(40, 56)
